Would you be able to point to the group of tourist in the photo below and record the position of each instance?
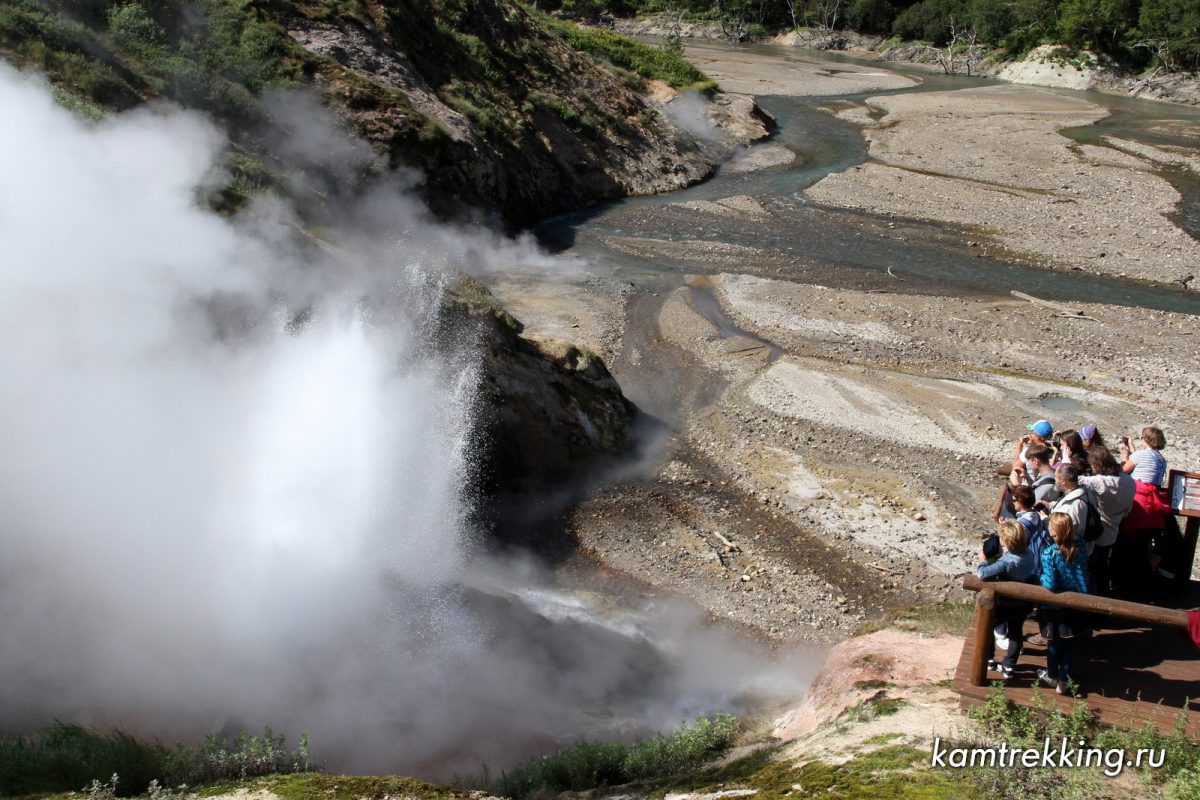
(1076, 518)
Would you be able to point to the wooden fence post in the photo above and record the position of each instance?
(1188, 556)
(985, 645)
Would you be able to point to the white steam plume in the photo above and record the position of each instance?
(689, 111)
(233, 471)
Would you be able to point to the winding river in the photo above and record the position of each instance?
(937, 263)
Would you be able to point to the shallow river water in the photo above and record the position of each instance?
(824, 144)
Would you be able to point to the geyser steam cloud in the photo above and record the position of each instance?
(232, 476)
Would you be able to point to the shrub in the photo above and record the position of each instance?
(1004, 720)
(643, 59)
(588, 765)
(66, 757)
(870, 16)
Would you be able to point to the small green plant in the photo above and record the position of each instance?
(1003, 720)
(879, 706)
(634, 56)
(938, 618)
(591, 764)
(66, 757)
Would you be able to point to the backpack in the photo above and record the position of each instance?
(1039, 540)
(1093, 526)
(1042, 480)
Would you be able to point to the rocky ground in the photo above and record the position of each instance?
(830, 439)
(991, 157)
(757, 72)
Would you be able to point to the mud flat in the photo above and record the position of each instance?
(991, 158)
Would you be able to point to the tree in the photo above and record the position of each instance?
(674, 42)
(991, 19)
(961, 53)
(1170, 29)
(870, 16)
(1100, 25)
(929, 20)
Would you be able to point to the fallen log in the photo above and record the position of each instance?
(1037, 301)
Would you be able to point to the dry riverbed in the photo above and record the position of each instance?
(831, 439)
(992, 157)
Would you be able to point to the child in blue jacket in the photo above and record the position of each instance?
(1064, 569)
(1015, 563)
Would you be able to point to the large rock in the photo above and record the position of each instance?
(551, 410)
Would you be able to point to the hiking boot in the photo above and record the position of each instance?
(1045, 680)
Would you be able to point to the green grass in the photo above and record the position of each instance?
(1003, 720)
(306, 785)
(950, 619)
(66, 757)
(591, 764)
(633, 56)
(870, 709)
(892, 771)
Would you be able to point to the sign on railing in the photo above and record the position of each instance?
(1184, 491)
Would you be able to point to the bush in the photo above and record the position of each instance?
(68, 757)
(590, 765)
(643, 59)
(870, 16)
(1003, 720)
(133, 29)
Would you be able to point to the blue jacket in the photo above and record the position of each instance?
(1059, 576)
(1008, 567)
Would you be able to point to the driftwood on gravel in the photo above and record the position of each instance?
(1063, 310)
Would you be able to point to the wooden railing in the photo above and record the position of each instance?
(988, 591)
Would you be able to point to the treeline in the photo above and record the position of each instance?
(1135, 33)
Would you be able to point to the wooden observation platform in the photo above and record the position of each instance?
(1138, 664)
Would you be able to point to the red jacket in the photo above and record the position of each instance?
(1150, 507)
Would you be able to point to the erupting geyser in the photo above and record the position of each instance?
(234, 475)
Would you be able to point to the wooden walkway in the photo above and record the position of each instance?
(1128, 673)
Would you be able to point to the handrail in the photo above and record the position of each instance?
(1139, 612)
(985, 601)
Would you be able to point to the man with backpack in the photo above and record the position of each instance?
(1078, 503)
(1038, 475)
(1041, 478)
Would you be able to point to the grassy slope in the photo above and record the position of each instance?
(513, 75)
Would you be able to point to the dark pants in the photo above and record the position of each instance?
(1098, 568)
(1013, 616)
(1060, 627)
(1130, 562)
(1059, 655)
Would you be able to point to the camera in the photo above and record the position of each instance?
(1056, 442)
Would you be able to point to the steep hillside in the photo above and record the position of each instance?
(500, 110)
